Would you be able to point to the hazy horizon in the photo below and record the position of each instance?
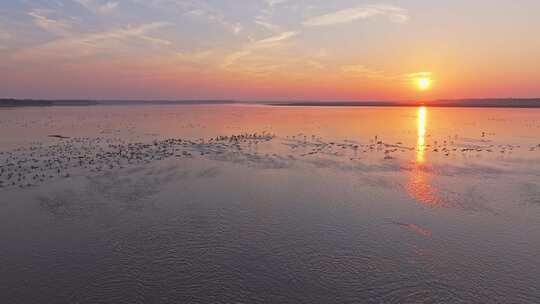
(269, 101)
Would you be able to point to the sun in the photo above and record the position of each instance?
(423, 83)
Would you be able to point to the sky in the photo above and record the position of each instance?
(269, 49)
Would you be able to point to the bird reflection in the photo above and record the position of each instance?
(419, 186)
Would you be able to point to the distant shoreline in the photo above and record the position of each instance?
(462, 103)
(456, 103)
(16, 103)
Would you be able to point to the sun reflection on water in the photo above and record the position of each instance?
(419, 186)
(421, 141)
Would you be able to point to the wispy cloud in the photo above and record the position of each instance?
(365, 72)
(42, 18)
(219, 18)
(413, 77)
(417, 75)
(4, 37)
(315, 64)
(266, 15)
(274, 2)
(237, 28)
(274, 40)
(266, 24)
(202, 10)
(319, 60)
(265, 20)
(194, 57)
(99, 7)
(4, 34)
(362, 71)
(82, 45)
(394, 13)
(253, 46)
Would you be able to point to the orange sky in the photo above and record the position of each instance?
(268, 49)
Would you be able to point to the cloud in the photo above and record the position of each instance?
(274, 40)
(253, 46)
(194, 57)
(413, 77)
(76, 46)
(237, 28)
(363, 71)
(97, 7)
(394, 13)
(417, 75)
(137, 32)
(366, 72)
(4, 36)
(274, 2)
(315, 65)
(267, 25)
(202, 10)
(265, 18)
(42, 19)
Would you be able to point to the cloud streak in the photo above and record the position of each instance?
(42, 19)
(205, 11)
(264, 19)
(97, 7)
(82, 45)
(4, 37)
(250, 48)
(363, 71)
(194, 57)
(394, 13)
(274, 2)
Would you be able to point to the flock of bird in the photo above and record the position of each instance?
(450, 147)
(36, 164)
(31, 166)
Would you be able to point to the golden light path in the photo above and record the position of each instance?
(421, 141)
(419, 186)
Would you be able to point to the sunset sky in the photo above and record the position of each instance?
(269, 49)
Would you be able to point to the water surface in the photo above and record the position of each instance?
(260, 204)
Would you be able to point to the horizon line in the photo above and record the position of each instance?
(463, 103)
(240, 100)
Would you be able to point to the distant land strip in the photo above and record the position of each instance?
(450, 103)
(9, 102)
(455, 103)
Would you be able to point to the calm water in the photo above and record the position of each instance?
(303, 205)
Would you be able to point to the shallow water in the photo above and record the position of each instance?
(259, 204)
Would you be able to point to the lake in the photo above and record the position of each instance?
(269, 204)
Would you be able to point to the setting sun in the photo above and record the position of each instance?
(423, 84)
